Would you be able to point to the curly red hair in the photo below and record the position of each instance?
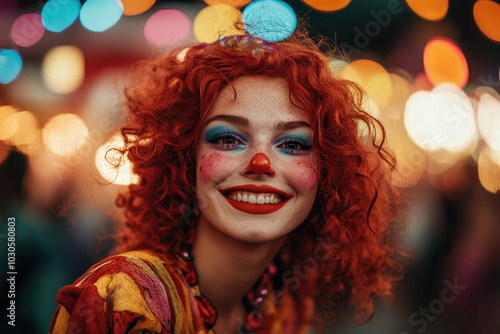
(355, 219)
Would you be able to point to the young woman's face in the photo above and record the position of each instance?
(256, 170)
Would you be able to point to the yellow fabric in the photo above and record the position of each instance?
(61, 325)
(123, 294)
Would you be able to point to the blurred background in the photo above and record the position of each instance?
(431, 72)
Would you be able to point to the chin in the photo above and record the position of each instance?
(258, 233)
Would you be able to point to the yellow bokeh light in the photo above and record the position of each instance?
(106, 160)
(136, 7)
(64, 134)
(411, 161)
(372, 77)
(8, 122)
(489, 171)
(214, 22)
(441, 119)
(432, 10)
(488, 119)
(63, 69)
(487, 17)
(444, 62)
(401, 91)
(327, 5)
(27, 137)
(233, 3)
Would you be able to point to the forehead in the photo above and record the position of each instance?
(258, 98)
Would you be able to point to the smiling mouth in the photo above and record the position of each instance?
(255, 199)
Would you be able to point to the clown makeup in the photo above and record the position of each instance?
(256, 165)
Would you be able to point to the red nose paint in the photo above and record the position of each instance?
(260, 164)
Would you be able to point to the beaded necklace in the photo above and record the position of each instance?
(257, 320)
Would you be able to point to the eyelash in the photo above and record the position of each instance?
(217, 139)
(225, 135)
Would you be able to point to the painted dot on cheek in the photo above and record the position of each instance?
(208, 166)
(306, 177)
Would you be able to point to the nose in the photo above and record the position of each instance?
(260, 164)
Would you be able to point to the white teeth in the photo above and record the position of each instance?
(260, 199)
(252, 199)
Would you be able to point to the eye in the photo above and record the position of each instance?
(294, 145)
(225, 140)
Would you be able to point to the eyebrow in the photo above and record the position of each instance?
(243, 121)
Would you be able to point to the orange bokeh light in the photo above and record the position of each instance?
(444, 62)
(136, 7)
(432, 10)
(327, 5)
(233, 3)
(487, 17)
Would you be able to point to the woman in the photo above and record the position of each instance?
(260, 209)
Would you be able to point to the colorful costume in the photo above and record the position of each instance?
(144, 292)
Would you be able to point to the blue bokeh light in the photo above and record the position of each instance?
(57, 15)
(272, 20)
(10, 65)
(100, 15)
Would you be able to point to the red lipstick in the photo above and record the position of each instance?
(256, 209)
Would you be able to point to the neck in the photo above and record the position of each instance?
(227, 269)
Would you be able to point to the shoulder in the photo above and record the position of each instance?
(141, 289)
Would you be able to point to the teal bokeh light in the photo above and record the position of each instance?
(57, 15)
(100, 15)
(272, 20)
(10, 65)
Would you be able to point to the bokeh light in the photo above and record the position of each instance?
(327, 5)
(445, 62)
(441, 119)
(488, 119)
(214, 22)
(136, 7)
(487, 17)
(272, 20)
(337, 66)
(432, 10)
(372, 77)
(167, 27)
(401, 92)
(63, 69)
(100, 15)
(106, 160)
(411, 161)
(233, 3)
(58, 15)
(422, 82)
(64, 134)
(27, 29)
(27, 138)
(10, 65)
(8, 122)
(489, 171)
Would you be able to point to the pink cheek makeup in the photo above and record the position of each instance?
(304, 174)
(213, 167)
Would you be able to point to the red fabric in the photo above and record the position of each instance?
(87, 311)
